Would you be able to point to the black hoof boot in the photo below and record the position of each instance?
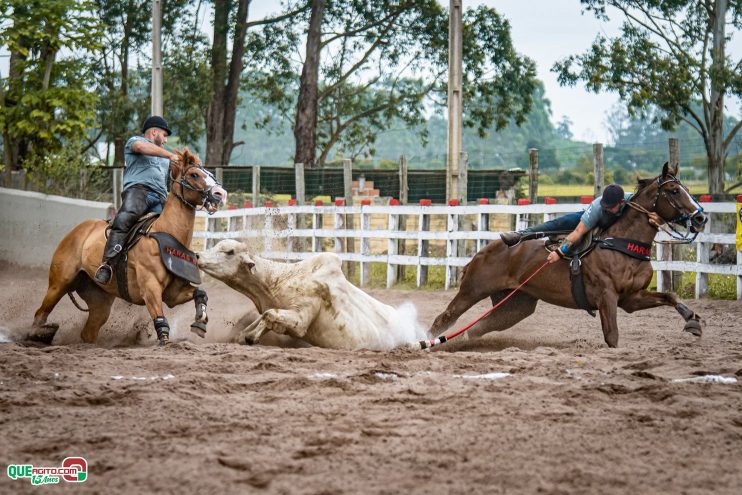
(103, 274)
(163, 330)
(693, 327)
(199, 328)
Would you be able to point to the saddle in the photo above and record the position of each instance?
(635, 249)
(178, 259)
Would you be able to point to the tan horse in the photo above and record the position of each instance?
(78, 255)
(612, 279)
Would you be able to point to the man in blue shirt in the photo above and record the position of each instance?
(602, 212)
(147, 165)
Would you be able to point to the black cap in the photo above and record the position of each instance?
(612, 195)
(156, 121)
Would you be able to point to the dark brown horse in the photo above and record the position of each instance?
(149, 283)
(612, 279)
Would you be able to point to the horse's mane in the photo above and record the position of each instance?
(186, 160)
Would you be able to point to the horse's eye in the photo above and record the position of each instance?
(230, 252)
(194, 175)
(675, 191)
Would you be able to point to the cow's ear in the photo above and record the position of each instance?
(246, 260)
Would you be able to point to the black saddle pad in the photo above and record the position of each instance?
(178, 259)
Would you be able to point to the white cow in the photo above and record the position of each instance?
(310, 300)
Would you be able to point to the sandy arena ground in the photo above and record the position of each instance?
(571, 417)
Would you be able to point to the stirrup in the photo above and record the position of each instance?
(103, 274)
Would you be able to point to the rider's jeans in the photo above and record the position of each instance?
(565, 223)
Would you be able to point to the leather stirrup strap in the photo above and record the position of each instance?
(578, 286)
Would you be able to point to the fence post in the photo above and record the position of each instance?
(663, 278)
(350, 267)
(316, 225)
(256, 185)
(483, 225)
(118, 183)
(422, 248)
(739, 277)
(268, 239)
(702, 279)
(301, 192)
(532, 183)
(337, 225)
(365, 277)
(598, 168)
(392, 249)
(452, 249)
(402, 220)
(463, 192)
(219, 175)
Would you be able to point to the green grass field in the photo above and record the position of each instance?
(556, 190)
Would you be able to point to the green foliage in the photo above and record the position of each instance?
(47, 102)
(667, 64)
(370, 50)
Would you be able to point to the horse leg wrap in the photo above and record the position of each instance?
(686, 312)
(163, 329)
(200, 298)
(199, 325)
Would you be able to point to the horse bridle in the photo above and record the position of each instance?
(206, 196)
(683, 219)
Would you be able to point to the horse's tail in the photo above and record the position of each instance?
(77, 305)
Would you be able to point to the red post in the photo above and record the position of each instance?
(393, 202)
(269, 204)
(231, 207)
(739, 198)
(318, 202)
(292, 202)
(524, 201)
(426, 202)
(365, 202)
(484, 201)
(453, 202)
(549, 200)
(339, 202)
(705, 198)
(586, 200)
(247, 204)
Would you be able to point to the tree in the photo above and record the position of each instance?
(383, 62)
(46, 101)
(670, 57)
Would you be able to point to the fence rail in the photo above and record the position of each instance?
(463, 229)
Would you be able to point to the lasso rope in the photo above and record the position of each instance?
(427, 344)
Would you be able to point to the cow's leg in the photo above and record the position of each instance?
(294, 322)
(607, 306)
(199, 324)
(645, 300)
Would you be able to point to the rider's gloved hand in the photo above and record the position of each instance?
(654, 219)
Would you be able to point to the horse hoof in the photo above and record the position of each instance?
(44, 333)
(164, 340)
(249, 341)
(199, 328)
(693, 327)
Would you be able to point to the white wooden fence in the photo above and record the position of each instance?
(282, 238)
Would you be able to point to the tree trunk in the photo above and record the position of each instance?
(222, 110)
(715, 145)
(305, 126)
(13, 148)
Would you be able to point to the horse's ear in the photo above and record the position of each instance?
(176, 166)
(667, 170)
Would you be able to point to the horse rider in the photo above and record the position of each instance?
(146, 168)
(602, 212)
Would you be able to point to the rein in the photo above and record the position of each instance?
(427, 344)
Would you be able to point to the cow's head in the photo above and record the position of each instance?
(231, 262)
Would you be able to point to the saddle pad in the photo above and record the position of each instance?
(635, 249)
(177, 258)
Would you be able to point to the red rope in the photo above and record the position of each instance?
(459, 332)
